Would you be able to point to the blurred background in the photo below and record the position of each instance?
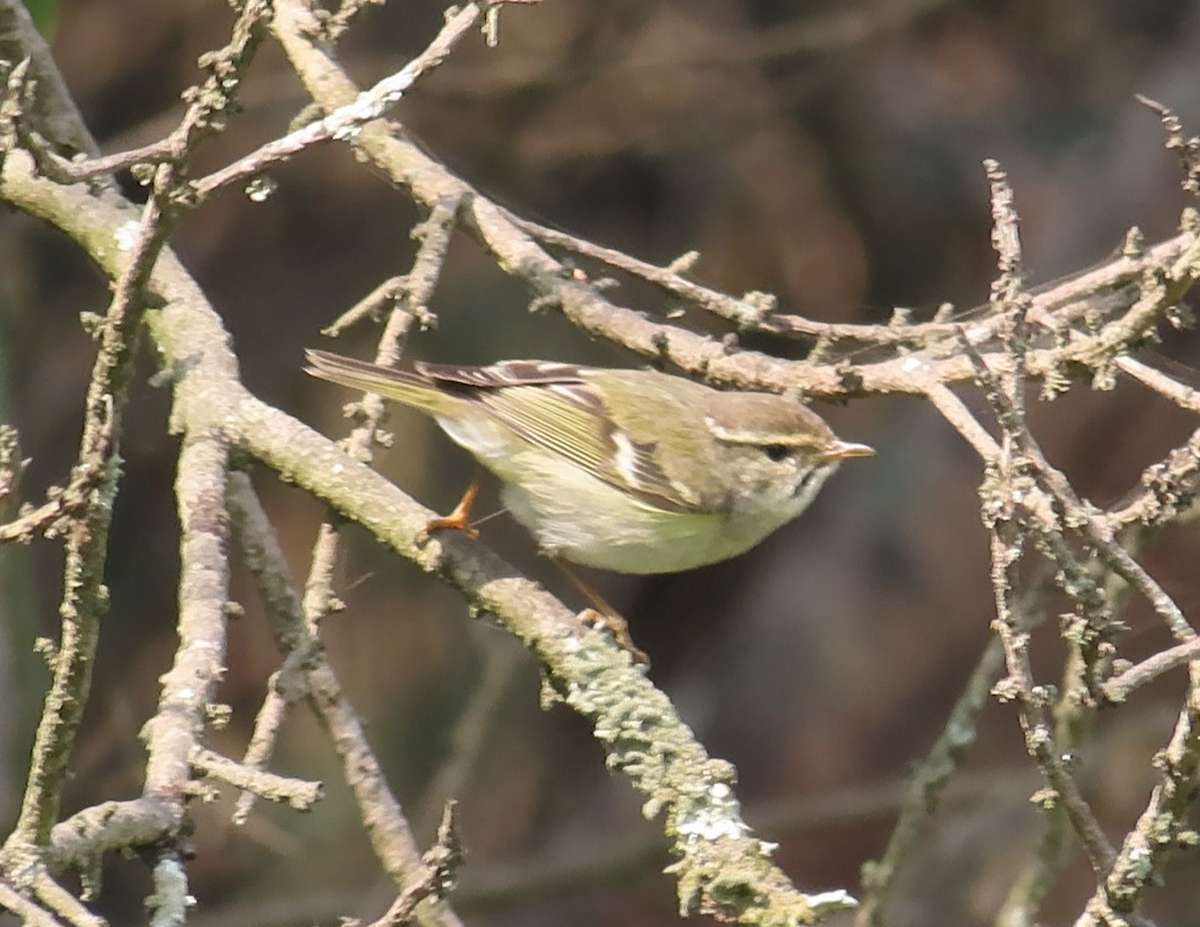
(827, 152)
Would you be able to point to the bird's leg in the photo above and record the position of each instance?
(459, 519)
(604, 615)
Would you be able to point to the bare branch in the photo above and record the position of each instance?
(299, 794)
(440, 873)
(345, 122)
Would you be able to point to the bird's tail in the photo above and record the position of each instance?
(408, 388)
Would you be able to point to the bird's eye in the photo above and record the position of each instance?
(776, 452)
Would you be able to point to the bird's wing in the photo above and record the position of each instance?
(554, 406)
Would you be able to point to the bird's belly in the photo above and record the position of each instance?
(584, 520)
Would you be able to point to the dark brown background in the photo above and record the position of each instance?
(828, 152)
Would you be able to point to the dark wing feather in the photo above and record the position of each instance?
(552, 405)
(505, 373)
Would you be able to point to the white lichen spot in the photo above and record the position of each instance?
(338, 468)
(260, 188)
(720, 791)
(1141, 861)
(911, 363)
(347, 133)
(978, 333)
(126, 235)
(835, 900)
(710, 824)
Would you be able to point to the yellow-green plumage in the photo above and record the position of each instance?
(629, 470)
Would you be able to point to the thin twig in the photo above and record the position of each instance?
(59, 509)
(928, 782)
(440, 873)
(386, 826)
(63, 903)
(30, 912)
(345, 122)
(298, 793)
(319, 597)
(1003, 494)
(206, 113)
(286, 685)
(1119, 687)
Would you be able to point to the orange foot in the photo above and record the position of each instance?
(460, 518)
(618, 627)
(603, 615)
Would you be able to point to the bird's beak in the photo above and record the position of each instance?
(844, 450)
